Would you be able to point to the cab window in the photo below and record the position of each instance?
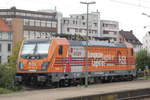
(60, 50)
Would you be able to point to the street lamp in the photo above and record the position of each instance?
(145, 14)
(86, 69)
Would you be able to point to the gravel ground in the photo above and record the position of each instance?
(59, 93)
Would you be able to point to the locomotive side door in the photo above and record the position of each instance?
(76, 54)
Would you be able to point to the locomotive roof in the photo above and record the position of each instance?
(82, 43)
(97, 43)
(37, 41)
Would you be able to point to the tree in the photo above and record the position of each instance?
(13, 59)
(142, 59)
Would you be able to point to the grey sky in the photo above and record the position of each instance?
(128, 16)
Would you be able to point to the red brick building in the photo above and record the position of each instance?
(27, 24)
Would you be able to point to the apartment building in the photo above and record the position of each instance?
(77, 24)
(110, 29)
(5, 41)
(27, 24)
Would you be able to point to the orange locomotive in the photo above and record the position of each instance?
(62, 62)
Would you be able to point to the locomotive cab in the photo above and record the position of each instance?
(33, 56)
(37, 57)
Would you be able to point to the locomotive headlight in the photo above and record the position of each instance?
(45, 65)
(21, 66)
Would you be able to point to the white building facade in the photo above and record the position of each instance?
(5, 50)
(109, 29)
(59, 17)
(146, 42)
(77, 24)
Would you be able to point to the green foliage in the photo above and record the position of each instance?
(6, 76)
(142, 59)
(14, 57)
(7, 70)
(4, 91)
(78, 37)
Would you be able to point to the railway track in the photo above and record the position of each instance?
(92, 90)
(141, 97)
(30, 88)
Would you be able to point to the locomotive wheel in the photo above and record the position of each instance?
(82, 81)
(130, 78)
(55, 85)
(64, 83)
(97, 80)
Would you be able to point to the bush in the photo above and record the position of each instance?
(4, 91)
(7, 74)
(7, 70)
(142, 59)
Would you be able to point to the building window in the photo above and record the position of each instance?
(103, 25)
(32, 35)
(111, 32)
(17, 13)
(95, 24)
(43, 23)
(90, 31)
(8, 21)
(76, 22)
(3, 13)
(73, 22)
(82, 17)
(68, 30)
(83, 23)
(26, 34)
(28, 14)
(37, 23)
(31, 23)
(112, 26)
(105, 32)
(37, 34)
(54, 25)
(5, 36)
(9, 47)
(9, 36)
(46, 16)
(51, 17)
(0, 47)
(146, 41)
(76, 30)
(49, 24)
(80, 30)
(26, 22)
(66, 21)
